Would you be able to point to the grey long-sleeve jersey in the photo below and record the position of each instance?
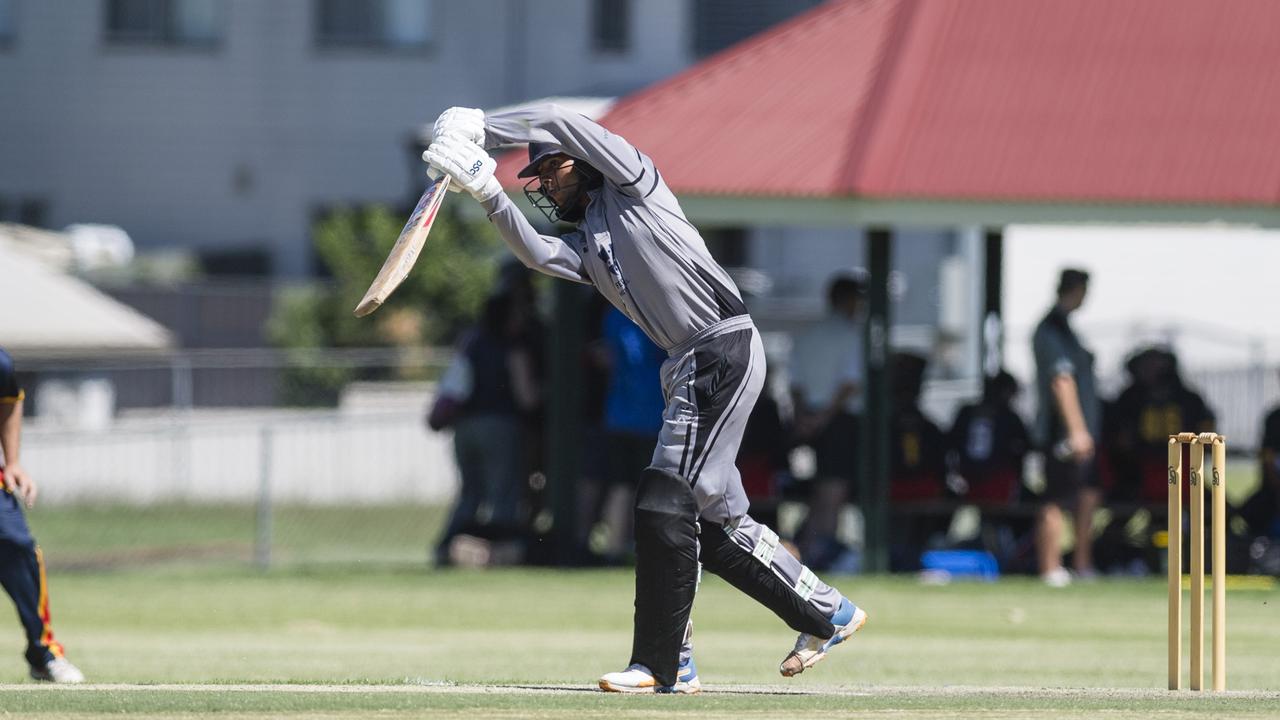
(634, 243)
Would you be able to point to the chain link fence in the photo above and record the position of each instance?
(286, 459)
(195, 458)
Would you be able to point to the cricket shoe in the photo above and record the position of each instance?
(57, 670)
(638, 679)
(810, 650)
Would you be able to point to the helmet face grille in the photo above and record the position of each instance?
(571, 211)
(539, 198)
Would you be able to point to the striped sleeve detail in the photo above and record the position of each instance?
(14, 399)
(766, 547)
(806, 584)
(654, 186)
(638, 177)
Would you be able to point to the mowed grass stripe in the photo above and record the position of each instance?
(557, 627)
(481, 701)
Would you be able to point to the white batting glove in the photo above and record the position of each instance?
(466, 163)
(435, 174)
(467, 122)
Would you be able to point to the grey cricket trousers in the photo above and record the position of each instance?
(711, 386)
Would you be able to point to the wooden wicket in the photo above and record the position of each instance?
(1175, 564)
(1218, 485)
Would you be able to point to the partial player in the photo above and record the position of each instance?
(633, 243)
(21, 562)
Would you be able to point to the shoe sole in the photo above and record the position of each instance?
(845, 633)
(690, 688)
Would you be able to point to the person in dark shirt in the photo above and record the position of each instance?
(986, 450)
(917, 459)
(917, 463)
(22, 570)
(1155, 404)
(632, 417)
(1262, 510)
(1068, 424)
(493, 378)
(988, 443)
(762, 459)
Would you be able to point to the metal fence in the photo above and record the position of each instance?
(317, 457)
(360, 479)
(208, 436)
(236, 378)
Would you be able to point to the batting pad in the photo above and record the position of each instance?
(753, 574)
(666, 570)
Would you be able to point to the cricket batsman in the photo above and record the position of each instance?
(21, 563)
(634, 244)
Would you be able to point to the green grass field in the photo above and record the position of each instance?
(178, 638)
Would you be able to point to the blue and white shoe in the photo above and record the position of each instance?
(810, 650)
(638, 679)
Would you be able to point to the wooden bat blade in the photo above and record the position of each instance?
(405, 252)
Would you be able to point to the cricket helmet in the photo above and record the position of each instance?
(571, 209)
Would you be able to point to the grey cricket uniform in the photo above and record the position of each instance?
(638, 249)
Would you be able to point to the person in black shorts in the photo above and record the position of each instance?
(1068, 422)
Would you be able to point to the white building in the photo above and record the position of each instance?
(225, 125)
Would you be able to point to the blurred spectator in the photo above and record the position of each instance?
(1068, 420)
(593, 379)
(917, 463)
(529, 335)
(762, 458)
(988, 443)
(491, 385)
(1154, 405)
(826, 386)
(987, 447)
(633, 409)
(1262, 510)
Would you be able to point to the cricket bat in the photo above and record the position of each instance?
(405, 252)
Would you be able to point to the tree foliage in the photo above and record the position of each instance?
(442, 294)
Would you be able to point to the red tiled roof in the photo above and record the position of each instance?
(1021, 100)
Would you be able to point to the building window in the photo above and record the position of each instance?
(33, 212)
(8, 22)
(25, 211)
(728, 245)
(717, 24)
(386, 24)
(611, 25)
(164, 22)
